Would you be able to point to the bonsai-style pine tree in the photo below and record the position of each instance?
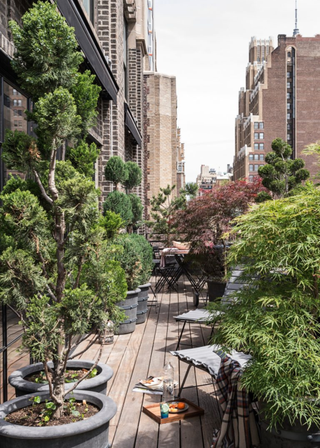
(128, 206)
(116, 171)
(163, 210)
(54, 267)
(281, 174)
(134, 175)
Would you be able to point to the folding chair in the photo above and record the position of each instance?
(198, 315)
(208, 359)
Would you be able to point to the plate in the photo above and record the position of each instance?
(152, 382)
(176, 410)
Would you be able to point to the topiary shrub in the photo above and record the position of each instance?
(146, 256)
(129, 259)
(119, 203)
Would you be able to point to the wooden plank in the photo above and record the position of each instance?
(131, 412)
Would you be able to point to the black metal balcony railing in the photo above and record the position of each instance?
(10, 341)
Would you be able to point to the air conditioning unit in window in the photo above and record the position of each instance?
(150, 4)
(149, 27)
(180, 167)
(150, 50)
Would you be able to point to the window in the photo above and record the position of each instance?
(125, 58)
(261, 146)
(250, 156)
(88, 6)
(288, 116)
(256, 125)
(288, 126)
(250, 167)
(289, 136)
(261, 125)
(288, 74)
(261, 156)
(256, 167)
(256, 146)
(261, 136)
(10, 115)
(288, 85)
(251, 178)
(288, 106)
(288, 96)
(256, 157)
(256, 135)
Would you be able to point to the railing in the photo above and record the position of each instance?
(10, 359)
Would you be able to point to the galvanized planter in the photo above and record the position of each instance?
(96, 384)
(129, 305)
(92, 432)
(143, 297)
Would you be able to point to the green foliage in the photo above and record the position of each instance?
(281, 174)
(47, 55)
(129, 259)
(136, 207)
(56, 116)
(19, 151)
(276, 318)
(116, 171)
(86, 95)
(145, 253)
(56, 269)
(83, 157)
(112, 223)
(119, 203)
(190, 190)
(134, 175)
(163, 208)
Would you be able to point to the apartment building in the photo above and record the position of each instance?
(164, 150)
(113, 37)
(281, 99)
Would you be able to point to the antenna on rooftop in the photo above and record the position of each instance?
(296, 30)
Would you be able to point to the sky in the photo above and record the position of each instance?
(205, 45)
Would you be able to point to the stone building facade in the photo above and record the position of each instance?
(281, 100)
(164, 150)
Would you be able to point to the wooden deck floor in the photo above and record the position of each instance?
(144, 352)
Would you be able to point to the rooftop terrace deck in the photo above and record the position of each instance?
(142, 353)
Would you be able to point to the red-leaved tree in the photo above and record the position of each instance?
(207, 218)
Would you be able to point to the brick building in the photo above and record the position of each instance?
(281, 99)
(165, 152)
(113, 37)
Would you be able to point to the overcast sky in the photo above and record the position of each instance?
(204, 43)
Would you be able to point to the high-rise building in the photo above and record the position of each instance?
(281, 100)
(165, 152)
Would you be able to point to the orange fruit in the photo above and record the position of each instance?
(180, 405)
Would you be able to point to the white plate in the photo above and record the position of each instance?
(152, 383)
(176, 410)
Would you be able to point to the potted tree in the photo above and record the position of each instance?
(276, 318)
(145, 254)
(127, 255)
(128, 206)
(50, 224)
(203, 224)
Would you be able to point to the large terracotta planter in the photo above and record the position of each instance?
(92, 432)
(96, 384)
(129, 305)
